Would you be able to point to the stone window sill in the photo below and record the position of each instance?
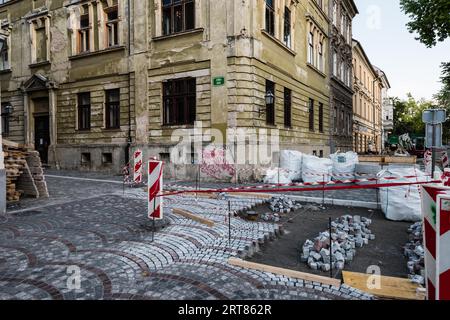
(39, 64)
(99, 52)
(317, 70)
(278, 42)
(178, 34)
(5, 71)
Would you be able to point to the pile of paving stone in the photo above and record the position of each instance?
(415, 253)
(283, 204)
(347, 233)
(270, 217)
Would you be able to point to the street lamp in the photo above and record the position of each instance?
(270, 99)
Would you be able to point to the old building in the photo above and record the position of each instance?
(2, 171)
(342, 13)
(387, 109)
(367, 122)
(86, 79)
(68, 80)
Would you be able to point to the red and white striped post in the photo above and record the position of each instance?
(138, 167)
(436, 226)
(155, 187)
(443, 248)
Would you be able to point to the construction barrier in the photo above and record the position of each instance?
(155, 188)
(436, 220)
(138, 166)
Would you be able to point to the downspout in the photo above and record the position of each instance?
(129, 138)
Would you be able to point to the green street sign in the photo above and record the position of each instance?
(219, 81)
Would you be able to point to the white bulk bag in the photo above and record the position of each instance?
(344, 165)
(401, 203)
(276, 176)
(291, 161)
(316, 169)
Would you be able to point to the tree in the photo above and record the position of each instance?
(429, 18)
(408, 116)
(443, 97)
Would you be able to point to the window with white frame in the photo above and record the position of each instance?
(84, 30)
(311, 48)
(287, 27)
(321, 57)
(112, 25)
(335, 64)
(4, 54)
(335, 13)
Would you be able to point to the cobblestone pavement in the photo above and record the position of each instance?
(96, 229)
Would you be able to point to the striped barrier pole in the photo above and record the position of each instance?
(155, 187)
(138, 167)
(443, 248)
(436, 251)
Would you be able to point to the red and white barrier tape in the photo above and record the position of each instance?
(299, 188)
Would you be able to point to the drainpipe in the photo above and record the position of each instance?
(129, 139)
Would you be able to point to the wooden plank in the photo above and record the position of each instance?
(285, 272)
(407, 160)
(378, 159)
(252, 195)
(11, 144)
(391, 288)
(194, 217)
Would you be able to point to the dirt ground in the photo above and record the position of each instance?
(385, 251)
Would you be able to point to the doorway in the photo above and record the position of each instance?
(42, 135)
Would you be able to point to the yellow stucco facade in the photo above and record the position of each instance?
(367, 112)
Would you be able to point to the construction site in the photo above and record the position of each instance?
(344, 227)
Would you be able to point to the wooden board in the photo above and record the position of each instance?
(252, 195)
(285, 272)
(406, 160)
(377, 159)
(194, 217)
(391, 288)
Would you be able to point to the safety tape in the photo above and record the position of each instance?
(303, 188)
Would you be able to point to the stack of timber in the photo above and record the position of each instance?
(24, 174)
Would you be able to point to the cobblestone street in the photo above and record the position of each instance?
(96, 228)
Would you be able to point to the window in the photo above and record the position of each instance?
(287, 27)
(270, 107)
(335, 13)
(311, 115)
(343, 121)
(5, 119)
(4, 55)
(311, 48)
(342, 75)
(84, 31)
(335, 118)
(112, 25)
(85, 158)
(335, 64)
(270, 17)
(287, 108)
(84, 111)
(321, 58)
(41, 40)
(321, 117)
(112, 109)
(107, 158)
(179, 101)
(178, 16)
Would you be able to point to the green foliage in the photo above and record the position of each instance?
(429, 18)
(408, 116)
(443, 97)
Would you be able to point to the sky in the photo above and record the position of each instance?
(409, 65)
